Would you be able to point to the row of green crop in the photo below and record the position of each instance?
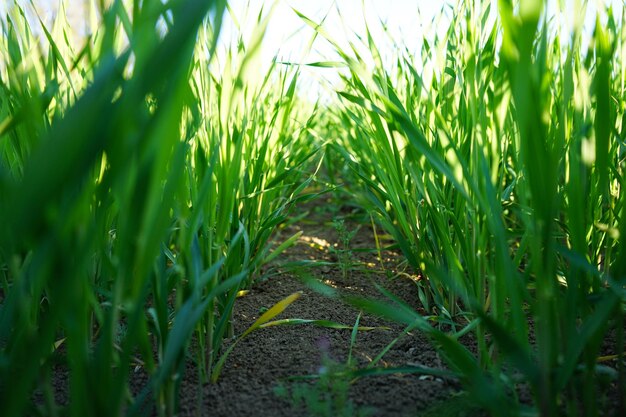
(140, 185)
(499, 171)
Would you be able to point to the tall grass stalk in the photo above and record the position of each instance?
(141, 184)
(245, 170)
(498, 169)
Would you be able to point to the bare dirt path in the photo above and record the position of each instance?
(268, 358)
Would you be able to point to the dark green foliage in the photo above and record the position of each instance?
(131, 219)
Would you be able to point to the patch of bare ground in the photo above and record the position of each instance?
(271, 357)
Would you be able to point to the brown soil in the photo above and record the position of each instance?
(271, 357)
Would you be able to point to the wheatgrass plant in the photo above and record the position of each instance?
(136, 202)
(499, 169)
(245, 170)
(89, 204)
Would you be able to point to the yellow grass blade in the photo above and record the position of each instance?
(275, 310)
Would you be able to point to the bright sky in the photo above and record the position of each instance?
(408, 22)
(287, 33)
(288, 37)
